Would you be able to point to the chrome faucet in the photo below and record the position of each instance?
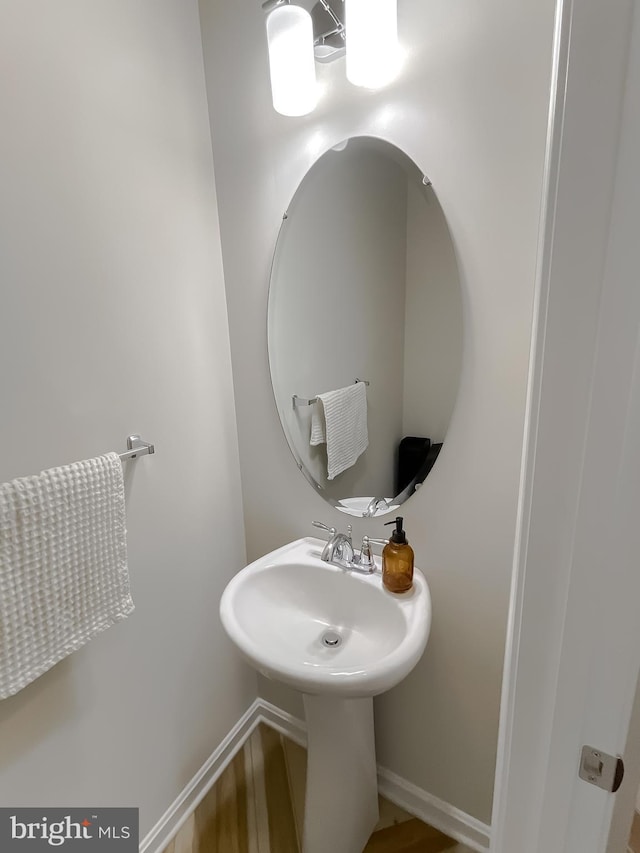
(374, 505)
(339, 550)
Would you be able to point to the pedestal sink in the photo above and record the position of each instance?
(340, 638)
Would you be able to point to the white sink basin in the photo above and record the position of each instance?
(278, 609)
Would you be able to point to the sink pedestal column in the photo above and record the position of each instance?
(341, 808)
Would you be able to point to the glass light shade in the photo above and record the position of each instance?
(291, 60)
(372, 42)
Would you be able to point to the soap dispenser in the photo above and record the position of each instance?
(397, 560)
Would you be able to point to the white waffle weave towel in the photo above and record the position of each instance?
(63, 565)
(344, 427)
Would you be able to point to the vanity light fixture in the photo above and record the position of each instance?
(372, 48)
(291, 61)
(296, 37)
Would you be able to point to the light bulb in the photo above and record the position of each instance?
(291, 60)
(372, 42)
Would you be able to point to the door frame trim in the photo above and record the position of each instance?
(585, 118)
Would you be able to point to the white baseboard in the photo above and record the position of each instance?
(448, 819)
(158, 838)
(283, 722)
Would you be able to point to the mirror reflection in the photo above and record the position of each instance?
(365, 326)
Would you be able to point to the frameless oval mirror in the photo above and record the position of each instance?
(365, 289)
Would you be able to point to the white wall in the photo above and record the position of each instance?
(350, 218)
(470, 109)
(113, 320)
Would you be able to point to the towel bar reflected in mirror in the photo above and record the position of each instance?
(302, 401)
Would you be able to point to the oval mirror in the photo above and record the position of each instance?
(365, 326)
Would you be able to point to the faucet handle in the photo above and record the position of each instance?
(366, 554)
(332, 530)
(377, 541)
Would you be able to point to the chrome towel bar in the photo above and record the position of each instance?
(302, 401)
(137, 447)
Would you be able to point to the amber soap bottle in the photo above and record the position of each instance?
(397, 560)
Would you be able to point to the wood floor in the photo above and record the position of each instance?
(257, 805)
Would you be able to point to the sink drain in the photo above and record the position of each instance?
(331, 639)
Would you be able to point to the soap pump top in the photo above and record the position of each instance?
(397, 560)
(398, 534)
